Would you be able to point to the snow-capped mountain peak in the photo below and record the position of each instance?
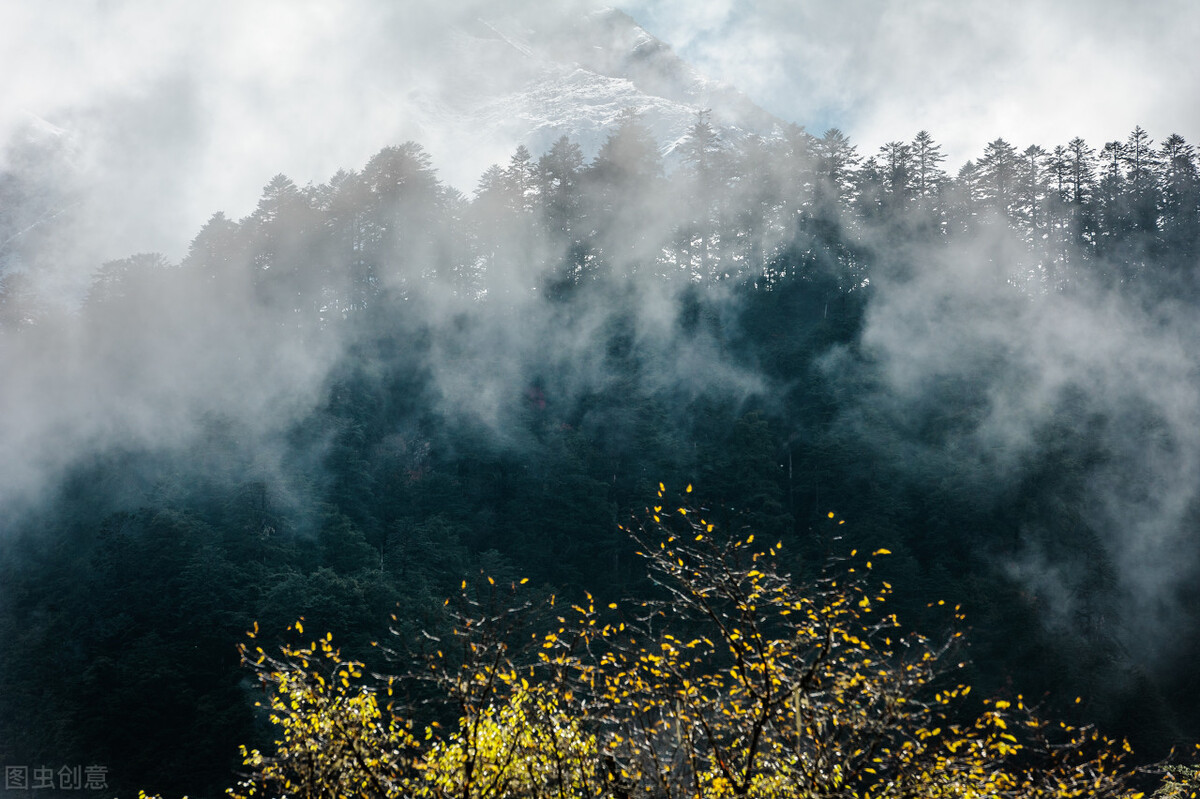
(522, 80)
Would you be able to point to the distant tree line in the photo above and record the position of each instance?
(1128, 211)
(621, 326)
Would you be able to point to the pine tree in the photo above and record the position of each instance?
(899, 167)
(1112, 208)
(521, 179)
(703, 184)
(559, 174)
(998, 177)
(928, 175)
(1180, 201)
(835, 160)
(624, 183)
(404, 207)
(928, 182)
(1081, 164)
(1141, 166)
(1032, 177)
(967, 195)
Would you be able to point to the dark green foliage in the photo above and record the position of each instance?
(500, 381)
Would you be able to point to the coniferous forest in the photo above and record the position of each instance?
(341, 405)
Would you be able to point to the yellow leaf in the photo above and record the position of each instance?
(831, 514)
(882, 552)
(689, 488)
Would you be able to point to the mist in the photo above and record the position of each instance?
(968, 70)
(168, 115)
(1005, 373)
(232, 267)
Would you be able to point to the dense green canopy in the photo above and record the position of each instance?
(366, 389)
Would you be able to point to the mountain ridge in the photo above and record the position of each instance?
(538, 80)
(479, 87)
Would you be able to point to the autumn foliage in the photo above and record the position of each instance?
(731, 680)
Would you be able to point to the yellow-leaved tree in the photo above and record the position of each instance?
(732, 680)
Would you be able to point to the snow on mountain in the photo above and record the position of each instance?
(531, 80)
(36, 181)
(139, 167)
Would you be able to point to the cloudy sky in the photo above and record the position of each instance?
(184, 109)
(1032, 71)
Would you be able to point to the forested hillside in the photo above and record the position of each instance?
(343, 403)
